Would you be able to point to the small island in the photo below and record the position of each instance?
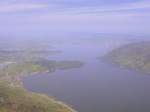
(134, 56)
(17, 63)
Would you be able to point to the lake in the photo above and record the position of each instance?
(98, 86)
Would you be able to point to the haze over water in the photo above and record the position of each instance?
(98, 85)
(83, 30)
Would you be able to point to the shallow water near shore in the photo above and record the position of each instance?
(97, 86)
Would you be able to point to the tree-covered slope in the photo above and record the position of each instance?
(134, 55)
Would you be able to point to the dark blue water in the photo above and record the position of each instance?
(97, 86)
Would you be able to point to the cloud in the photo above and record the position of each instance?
(19, 6)
(119, 18)
(8, 7)
(112, 8)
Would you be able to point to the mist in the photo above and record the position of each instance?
(34, 19)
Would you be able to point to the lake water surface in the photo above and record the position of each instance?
(97, 86)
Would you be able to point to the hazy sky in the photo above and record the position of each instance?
(39, 17)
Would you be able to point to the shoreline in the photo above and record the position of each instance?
(13, 79)
(21, 85)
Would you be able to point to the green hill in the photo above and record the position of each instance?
(134, 55)
(16, 99)
(14, 65)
